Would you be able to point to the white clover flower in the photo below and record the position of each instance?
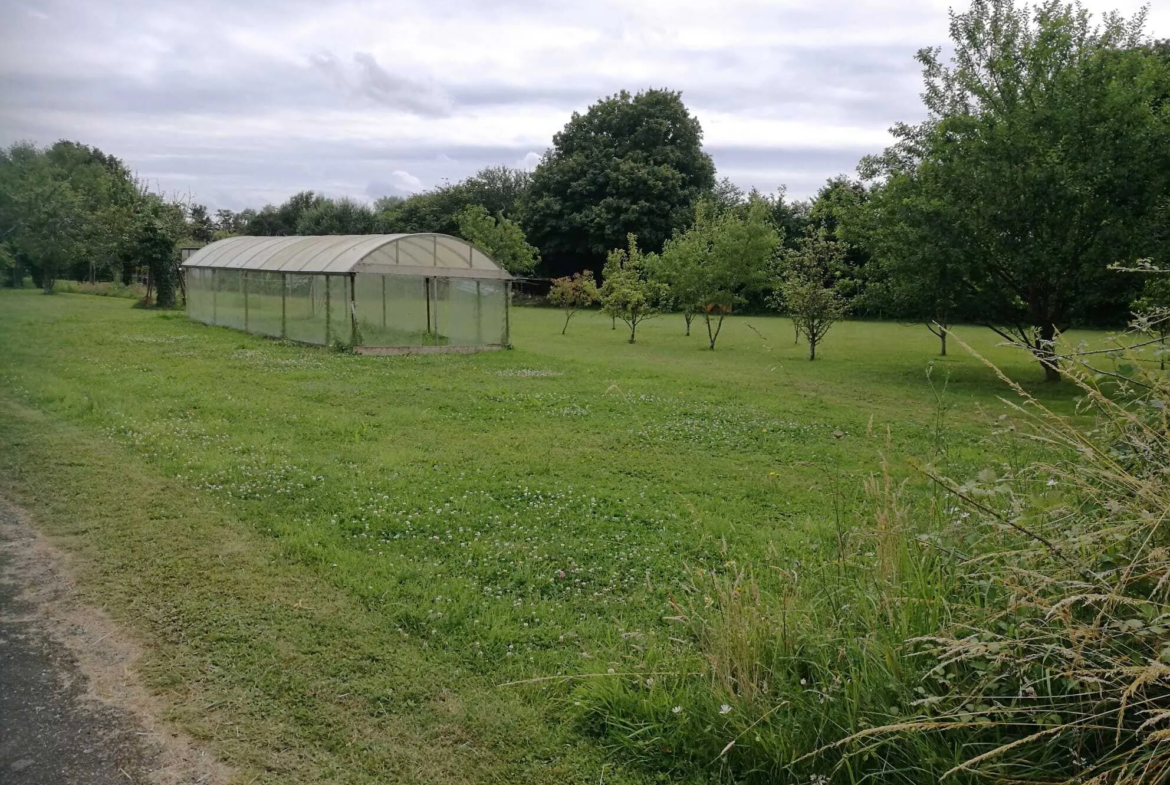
(1052, 482)
(677, 709)
(724, 709)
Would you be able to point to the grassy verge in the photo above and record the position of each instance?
(336, 560)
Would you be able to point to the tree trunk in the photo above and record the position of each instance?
(812, 349)
(568, 316)
(796, 333)
(1045, 351)
(47, 284)
(713, 335)
(942, 336)
(688, 317)
(612, 322)
(633, 330)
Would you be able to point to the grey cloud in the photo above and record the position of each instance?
(398, 92)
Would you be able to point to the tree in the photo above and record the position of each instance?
(834, 206)
(499, 238)
(154, 247)
(807, 288)
(199, 224)
(916, 273)
(1047, 148)
(631, 163)
(44, 219)
(573, 294)
(499, 189)
(337, 216)
(1152, 310)
(628, 293)
(712, 267)
(282, 221)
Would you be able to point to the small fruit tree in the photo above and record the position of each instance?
(628, 293)
(573, 294)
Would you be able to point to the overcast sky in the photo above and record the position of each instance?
(243, 102)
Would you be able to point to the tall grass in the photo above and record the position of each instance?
(1012, 626)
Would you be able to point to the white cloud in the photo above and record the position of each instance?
(405, 182)
(529, 161)
(242, 101)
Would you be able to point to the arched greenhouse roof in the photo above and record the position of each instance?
(432, 255)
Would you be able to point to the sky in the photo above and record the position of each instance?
(239, 103)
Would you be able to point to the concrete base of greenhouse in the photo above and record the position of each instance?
(395, 351)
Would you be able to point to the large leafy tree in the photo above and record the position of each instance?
(1047, 150)
(65, 210)
(715, 265)
(630, 163)
(498, 189)
(337, 216)
(282, 220)
(499, 238)
(916, 272)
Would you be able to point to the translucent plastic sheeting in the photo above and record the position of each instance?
(265, 302)
(304, 309)
(462, 310)
(199, 298)
(391, 310)
(230, 306)
(340, 325)
(493, 312)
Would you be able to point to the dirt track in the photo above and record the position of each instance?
(72, 711)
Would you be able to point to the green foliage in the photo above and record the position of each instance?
(630, 164)
(337, 216)
(714, 266)
(1047, 149)
(498, 189)
(499, 238)
(807, 289)
(628, 292)
(1152, 310)
(571, 294)
(154, 248)
(282, 221)
(65, 210)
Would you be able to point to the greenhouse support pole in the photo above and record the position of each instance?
(244, 287)
(353, 330)
(508, 313)
(283, 305)
(427, 291)
(214, 298)
(328, 308)
(383, 301)
(478, 315)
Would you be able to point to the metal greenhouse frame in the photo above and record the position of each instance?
(380, 293)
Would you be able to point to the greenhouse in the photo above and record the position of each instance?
(379, 293)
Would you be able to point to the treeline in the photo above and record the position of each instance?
(1043, 163)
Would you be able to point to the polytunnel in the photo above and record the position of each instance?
(379, 293)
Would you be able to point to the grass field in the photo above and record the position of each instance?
(335, 561)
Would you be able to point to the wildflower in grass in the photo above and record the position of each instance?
(1052, 482)
(677, 710)
(724, 709)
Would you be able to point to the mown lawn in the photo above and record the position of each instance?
(335, 562)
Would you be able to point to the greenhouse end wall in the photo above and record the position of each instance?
(367, 311)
